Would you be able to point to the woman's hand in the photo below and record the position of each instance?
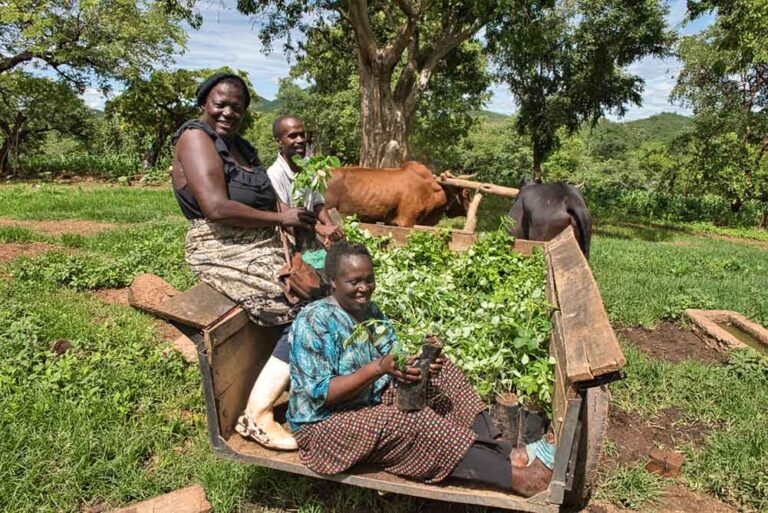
(299, 217)
(329, 231)
(436, 366)
(410, 374)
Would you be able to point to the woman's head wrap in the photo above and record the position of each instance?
(204, 89)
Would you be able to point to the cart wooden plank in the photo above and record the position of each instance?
(459, 239)
(369, 477)
(591, 348)
(197, 307)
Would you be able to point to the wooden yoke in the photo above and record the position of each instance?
(488, 188)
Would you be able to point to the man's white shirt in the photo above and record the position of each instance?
(282, 176)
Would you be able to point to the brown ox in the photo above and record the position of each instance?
(402, 196)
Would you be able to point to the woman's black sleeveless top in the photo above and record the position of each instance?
(251, 188)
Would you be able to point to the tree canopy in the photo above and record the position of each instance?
(32, 106)
(564, 61)
(398, 47)
(330, 105)
(725, 81)
(107, 38)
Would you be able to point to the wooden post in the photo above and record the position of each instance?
(471, 224)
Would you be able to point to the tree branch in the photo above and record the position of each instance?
(11, 62)
(361, 26)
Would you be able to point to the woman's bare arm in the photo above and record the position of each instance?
(204, 173)
(344, 388)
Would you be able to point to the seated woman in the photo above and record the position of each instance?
(342, 409)
(233, 243)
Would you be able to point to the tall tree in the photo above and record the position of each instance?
(153, 108)
(564, 61)
(330, 105)
(725, 81)
(31, 106)
(107, 38)
(398, 46)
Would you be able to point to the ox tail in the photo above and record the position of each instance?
(582, 221)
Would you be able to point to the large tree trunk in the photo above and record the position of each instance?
(5, 151)
(385, 124)
(537, 169)
(151, 156)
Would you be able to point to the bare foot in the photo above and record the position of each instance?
(528, 480)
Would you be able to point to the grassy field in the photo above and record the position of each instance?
(113, 420)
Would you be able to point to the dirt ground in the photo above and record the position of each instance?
(12, 250)
(119, 296)
(677, 499)
(113, 296)
(635, 435)
(56, 228)
(672, 343)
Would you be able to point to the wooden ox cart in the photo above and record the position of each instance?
(232, 351)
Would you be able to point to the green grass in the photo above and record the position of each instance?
(94, 203)
(101, 422)
(648, 275)
(111, 259)
(731, 398)
(19, 234)
(631, 487)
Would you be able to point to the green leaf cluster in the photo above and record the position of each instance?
(313, 178)
(487, 304)
(108, 38)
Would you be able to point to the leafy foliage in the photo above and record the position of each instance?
(26, 113)
(724, 80)
(487, 304)
(313, 178)
(564, 61)
(104, 38)
(399, 47)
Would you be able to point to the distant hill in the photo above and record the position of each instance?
(610, 139)
(662, 127)
(266, 106)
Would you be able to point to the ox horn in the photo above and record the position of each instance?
(466, 177)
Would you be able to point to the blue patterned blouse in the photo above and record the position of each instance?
(322, 347)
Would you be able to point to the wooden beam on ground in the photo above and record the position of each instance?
(488, 188)
(186, 500)
(471, 224)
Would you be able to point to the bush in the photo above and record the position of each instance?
(81, 164)
(612, 202)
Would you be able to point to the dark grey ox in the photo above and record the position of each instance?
(543, 210)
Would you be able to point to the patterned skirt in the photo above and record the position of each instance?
(425, 445)
(242, 264)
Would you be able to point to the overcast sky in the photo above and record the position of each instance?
(229, 38)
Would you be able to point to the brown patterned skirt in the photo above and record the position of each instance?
(425, 445)
(242, 264)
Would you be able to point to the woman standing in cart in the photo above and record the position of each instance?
(342, 407)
